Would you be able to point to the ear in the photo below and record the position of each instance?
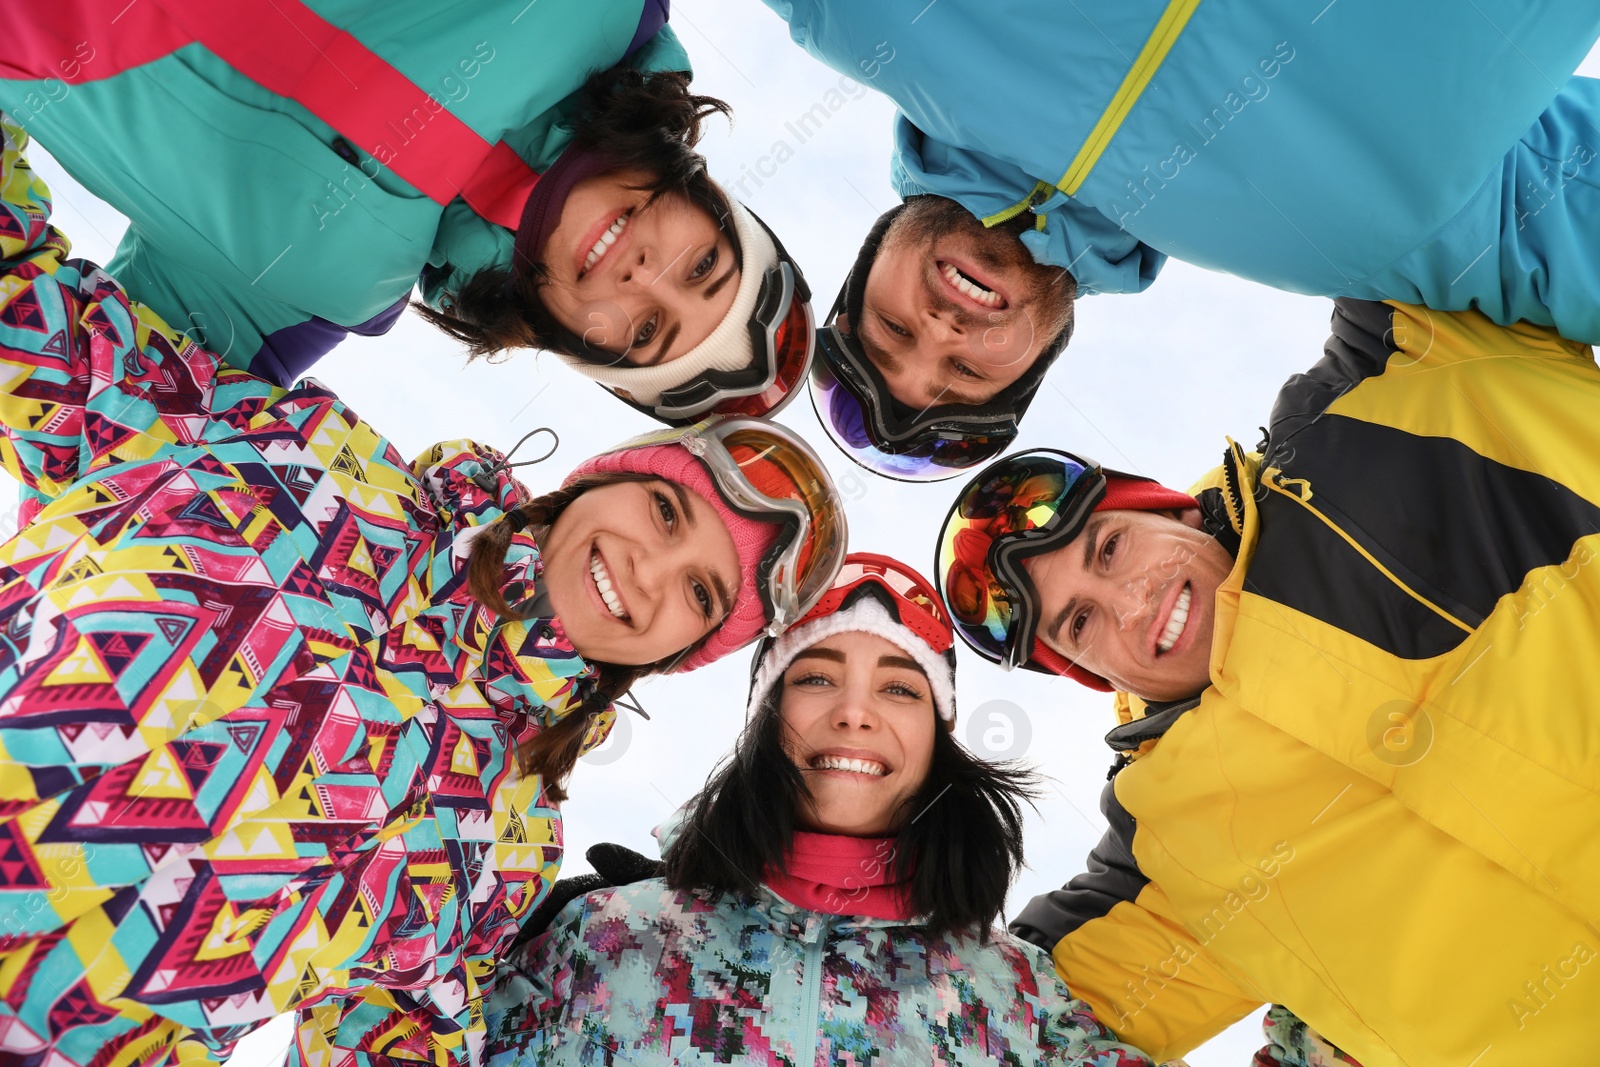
(1189, 517)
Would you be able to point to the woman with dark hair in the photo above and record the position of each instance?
(291, 168)
(637, 269)
(285, 720)
(829, 897)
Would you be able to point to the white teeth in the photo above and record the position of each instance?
(1175, 621)
(607, 239)
(602, 582)
(854, 766)
(971, 288)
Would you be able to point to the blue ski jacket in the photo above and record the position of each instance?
(1384, 151)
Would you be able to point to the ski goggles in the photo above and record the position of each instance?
(855, 409)
(907, 444)
(762, 470)
(1023, 506)
(914, 599)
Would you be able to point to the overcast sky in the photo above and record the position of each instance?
(1151, 384)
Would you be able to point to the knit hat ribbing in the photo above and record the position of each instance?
(864, 615)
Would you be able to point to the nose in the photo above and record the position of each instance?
(637, 270)
(1130, 599)
(854, 710)
(944, 326)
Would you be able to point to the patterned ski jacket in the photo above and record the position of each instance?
(347, 146)
(1257, 139)
(254, 732)
(1380, 814)
(646, 975)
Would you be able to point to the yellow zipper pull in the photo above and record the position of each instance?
(1297, 487)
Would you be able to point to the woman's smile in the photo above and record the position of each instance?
(607, 234)
(605, 589)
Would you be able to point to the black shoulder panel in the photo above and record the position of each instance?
(1459, 528)
(1303, 565)
(1113, 876)
(1359, 348)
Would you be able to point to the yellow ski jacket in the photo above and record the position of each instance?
(1383, 811)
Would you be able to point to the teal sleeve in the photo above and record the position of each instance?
(92, 379)
(227, 319)
(1525, 247)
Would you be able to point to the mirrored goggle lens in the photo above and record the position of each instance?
(782, 469)
(905, 583)
(794, 345)
(845, 419)
(1019, 496)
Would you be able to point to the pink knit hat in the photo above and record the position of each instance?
(751, 538)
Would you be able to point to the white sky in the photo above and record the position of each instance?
(1151, 384)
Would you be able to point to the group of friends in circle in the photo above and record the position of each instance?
(287, 719)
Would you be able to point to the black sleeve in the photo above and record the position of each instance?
(613, 865)
(1112, 876)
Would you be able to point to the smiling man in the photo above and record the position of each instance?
(1270, 141)
(1356, 682)
(952, 312)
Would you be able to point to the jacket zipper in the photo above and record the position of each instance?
(1270, 478)
(811, 996)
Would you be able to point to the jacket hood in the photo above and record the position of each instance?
(531, 671)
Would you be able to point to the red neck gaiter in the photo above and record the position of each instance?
(841, 875)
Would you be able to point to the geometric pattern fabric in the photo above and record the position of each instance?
(256, 738)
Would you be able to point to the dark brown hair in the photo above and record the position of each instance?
(958, 850)
(641, 121)
(553, 751)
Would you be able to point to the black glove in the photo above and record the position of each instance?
(613, 864)
(622, 866)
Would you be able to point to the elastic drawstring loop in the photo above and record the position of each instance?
(485, 480)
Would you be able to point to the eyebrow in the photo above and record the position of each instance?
(876, 352)
(711, 290)
(724, 598)
(667, 338)
(684, 504)
(1090, 535)
(938, 392)
(817, 652)
(905, 662)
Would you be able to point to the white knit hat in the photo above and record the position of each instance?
(865, 615)
(727, 347)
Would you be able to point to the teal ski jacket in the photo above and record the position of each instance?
(289, 168)
(1352, 147)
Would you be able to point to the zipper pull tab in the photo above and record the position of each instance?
(1297, 487)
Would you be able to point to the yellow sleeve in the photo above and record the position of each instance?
(1148, 979)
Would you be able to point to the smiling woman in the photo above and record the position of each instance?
(638, 270)
(827, 895)
(316, 664)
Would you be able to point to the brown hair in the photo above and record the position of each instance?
(553, 752)
(644, 121)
